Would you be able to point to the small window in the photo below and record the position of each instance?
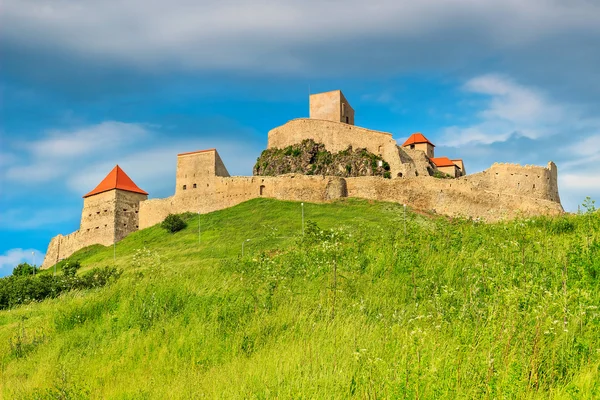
(347, 120)
(184, 187)
(124, 209)
(194, 186)
(262, 189)
(136, 211)
(412, 146)
(97, 212)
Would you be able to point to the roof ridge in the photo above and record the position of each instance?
(116, 179)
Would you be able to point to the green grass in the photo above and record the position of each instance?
(454, 309)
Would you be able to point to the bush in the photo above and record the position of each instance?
(25, 269)
(70, 268)
(173, 223)
(15, 290)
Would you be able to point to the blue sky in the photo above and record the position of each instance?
(89, 84)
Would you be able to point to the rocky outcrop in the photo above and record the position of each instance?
(310, 158)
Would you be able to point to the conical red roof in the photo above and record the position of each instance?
(116, 179)
(417, 138)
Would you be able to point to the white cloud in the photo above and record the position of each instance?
(513, 110)
(580, 181)
(61, 151)
(13, 257)
(81, 142)
(79, 159)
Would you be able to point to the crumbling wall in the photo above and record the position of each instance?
(62, 246)
(529, 180)
(451, 197)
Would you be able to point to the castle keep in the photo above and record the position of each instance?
(117, 206)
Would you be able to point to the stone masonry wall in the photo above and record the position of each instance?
(106, 217)
(337, 136)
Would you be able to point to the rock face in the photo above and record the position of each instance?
(310, 158)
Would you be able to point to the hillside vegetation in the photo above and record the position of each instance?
(311, 158)
(353, 308)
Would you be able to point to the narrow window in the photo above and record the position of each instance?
(412, 146)
(534, 185)
(347, 120)
(262, 189)
(97, 212)
(184, 187)
(194, 186)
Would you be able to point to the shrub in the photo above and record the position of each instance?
(15, 290)
(439, 174)
(70, 268)
(173, 223)
(25, 269)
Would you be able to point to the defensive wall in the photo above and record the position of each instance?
(204, 185)
(503, 191)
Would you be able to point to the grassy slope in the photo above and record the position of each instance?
(453, 310)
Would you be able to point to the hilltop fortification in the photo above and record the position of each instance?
(416, 177)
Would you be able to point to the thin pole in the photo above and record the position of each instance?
(405, 220)
(302, 204)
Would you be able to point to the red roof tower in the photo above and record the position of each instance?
(116, 179)
(416, 138)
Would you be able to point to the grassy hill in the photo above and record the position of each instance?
(352, 308)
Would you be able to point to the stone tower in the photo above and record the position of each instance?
(110, 211)
(418, 141)
(331, 106)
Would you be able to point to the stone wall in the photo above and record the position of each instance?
(337, 136)
(503, 191)
(62, 246)
(106, 218)
(530, 180)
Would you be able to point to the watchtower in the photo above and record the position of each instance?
(110, 211)
(331, 106)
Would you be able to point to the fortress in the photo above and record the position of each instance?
(117, 206)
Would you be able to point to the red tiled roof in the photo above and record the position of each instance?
(116, 179)
(443, 162)
(417, 138)
(194, 152)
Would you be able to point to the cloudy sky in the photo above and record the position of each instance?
(88, 84)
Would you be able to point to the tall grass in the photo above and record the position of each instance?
(354, 308)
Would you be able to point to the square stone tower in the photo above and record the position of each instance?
(331, 106)
(195, 170)
(110, 211)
